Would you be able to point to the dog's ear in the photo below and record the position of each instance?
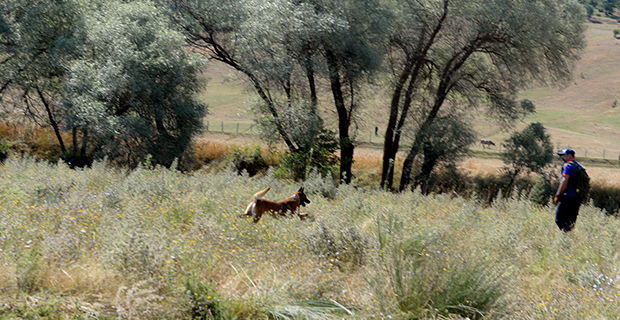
(301, 189)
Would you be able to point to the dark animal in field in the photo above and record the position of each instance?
(259, 206)
(485, 143)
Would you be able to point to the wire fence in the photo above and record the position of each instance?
(232, 128)
(376, 137)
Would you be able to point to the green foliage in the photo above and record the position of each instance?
(249, 159)
(542, 190)
(137, 241)
(609, 7)
(589, 11)
(287, 60)
(320, 157)
(446, 141)
(204, 300)
(425, 275)
(530, 149)
(133, 91)
(4, 151)
(463, 54)
(340, 246)
(30, 270)
(37, 40)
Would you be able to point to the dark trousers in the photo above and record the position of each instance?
(566, 212)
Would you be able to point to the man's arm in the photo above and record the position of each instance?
(561, 188)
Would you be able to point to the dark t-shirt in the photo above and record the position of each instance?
(570, 169)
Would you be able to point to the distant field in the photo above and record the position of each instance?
(579, 115)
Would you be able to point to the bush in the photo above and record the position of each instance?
(298, 165)
(339, 246)
(616, 32)
(428, 276)
(541, 191)
(203, 300)
(250, 159)
(4, 151)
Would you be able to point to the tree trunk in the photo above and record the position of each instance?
(344, 121)
(413, 68)
(405, 178)
(442, 93)
(391, 143)
(428, 165)
(84, 144)
(53, 122)
(311, 82)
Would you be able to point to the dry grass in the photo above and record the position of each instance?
(26, 138)
(109, 244)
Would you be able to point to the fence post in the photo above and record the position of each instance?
(207, 126)
(237, 128)
(222, 126)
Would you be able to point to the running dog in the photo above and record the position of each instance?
(259, 206)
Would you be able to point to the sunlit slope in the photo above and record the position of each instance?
(581, 115)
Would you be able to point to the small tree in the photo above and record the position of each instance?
(616, 32)
(528, 150)
(132, 92)
(449, 139)
(589, 11)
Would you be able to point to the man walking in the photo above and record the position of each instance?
(566, 197)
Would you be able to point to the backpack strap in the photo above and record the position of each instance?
(574, 163)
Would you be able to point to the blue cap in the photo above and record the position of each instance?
(567, 151)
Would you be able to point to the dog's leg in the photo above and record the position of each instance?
(257, 214)
(248, 210)
(302, 216)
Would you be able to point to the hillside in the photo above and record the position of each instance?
(579, 115)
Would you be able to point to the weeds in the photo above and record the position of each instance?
(204, 301)
(138, 302)
(126, 244)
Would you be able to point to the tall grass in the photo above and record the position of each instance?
(155, 243)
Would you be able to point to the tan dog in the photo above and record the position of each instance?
(259, 206)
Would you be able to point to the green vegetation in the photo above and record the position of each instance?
(112, 74)
(107, 244)
(528, 151)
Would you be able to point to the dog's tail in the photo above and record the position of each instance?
(261, 194)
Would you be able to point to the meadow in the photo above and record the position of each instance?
(155, 243)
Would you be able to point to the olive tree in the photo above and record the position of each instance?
(528, 150)
(287, 49)
(37, 39)
(464, 54)
(132, 91)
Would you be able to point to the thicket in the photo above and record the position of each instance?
(113, 244)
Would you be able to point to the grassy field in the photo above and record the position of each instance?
(158, 244)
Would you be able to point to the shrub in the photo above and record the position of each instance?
(4, 151)
(250, 159)
(203, 300)
(616, 32)
(425, 275)
(541, 191)
(138, 302)
(338, 245)
(298, 165)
